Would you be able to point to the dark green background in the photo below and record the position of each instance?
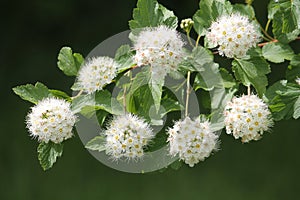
(32, 32)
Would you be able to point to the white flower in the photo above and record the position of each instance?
(51, 120)
(192, 140)
(96, 73)
(298, 80)
(160, 47)
(126, 136)
(247, 117)
(234, 35)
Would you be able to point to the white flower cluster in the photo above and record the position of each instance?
(234, 35)
(126, 136)
(51, 120)
(247, 117)
(160, 47)
(96, 73)
(192, 140)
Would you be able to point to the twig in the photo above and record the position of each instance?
(198, 39)
(188, 91)
(79, 93)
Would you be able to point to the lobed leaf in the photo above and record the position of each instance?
(69, 62)
(252, 70)
(284, 100)
(210, 10)
(32, 93)
(48, 154)
(149, 13)
(293, 70)
(277, 52)
(101, 100)
(286, 19)
(123, 57)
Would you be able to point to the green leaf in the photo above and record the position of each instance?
(244, 9)
(144, 77)
(76, 87)
(141, 103)
(149, 13)
(293, 70)
(101, 116)
(48, 153)
(200, 58)
(158, 142)
(101, 100)
(277, 53)
(228, 80)
(32, 93)
(168, 18)
(155, 86)
(208, 79)
(169, 105)
(96, 144)
(286, 19)
(284, 100)
(60, 94)
(252, 70)
(123, 57)
(210, 10)
(68, 62)
(219, 99)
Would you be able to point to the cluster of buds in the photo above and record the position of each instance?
(187, 24)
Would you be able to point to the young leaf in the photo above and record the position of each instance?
(48, 153)
(277, 53)
(32, 93)
(252, 70)
(68, 62)
(149, 13)
(96, 144)
(210, 10)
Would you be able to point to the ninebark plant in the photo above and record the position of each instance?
(230, 43)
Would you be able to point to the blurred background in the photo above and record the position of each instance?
(32, 32)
